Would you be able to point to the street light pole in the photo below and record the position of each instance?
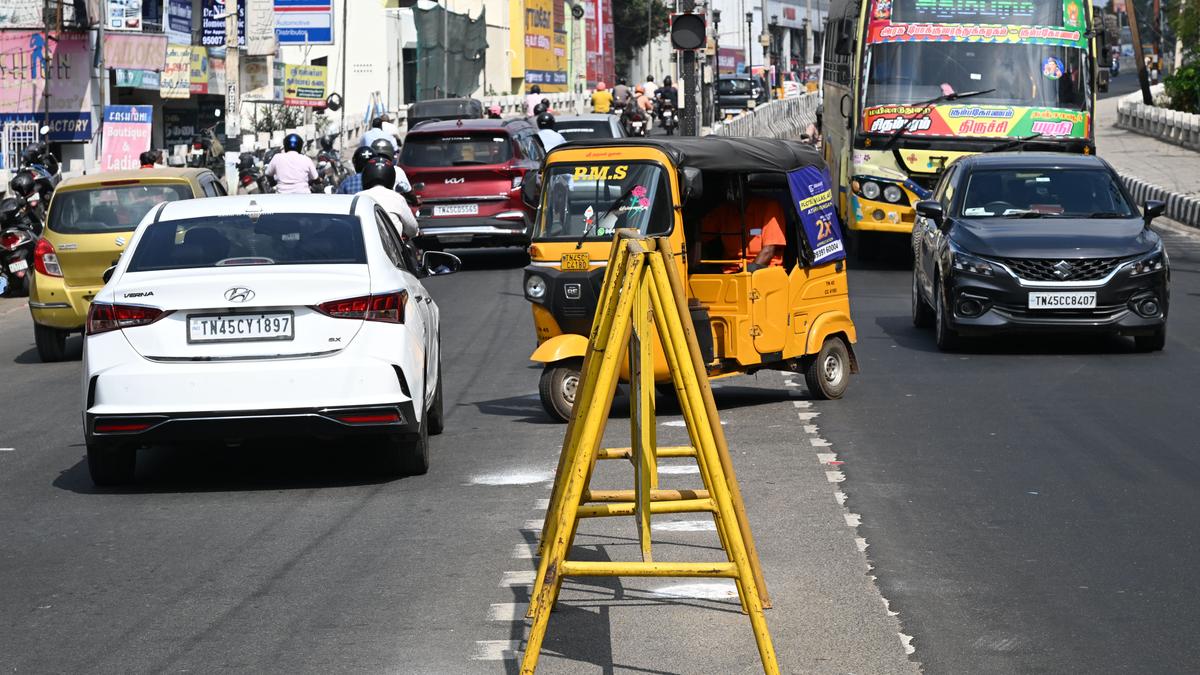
(716, 18)
(749, 39)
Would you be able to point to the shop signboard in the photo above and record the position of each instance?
(125, 135)
(137, 79)
(21, 13)
(304, 22)
(179, 126)
(212, 27)
(198, 78)
(261, 79)
(24, 57)
(135, 51)
(304, 85)
(179, 21)
(545, 61)
(123, 15)
(598, 34)
(260, 27)
(176, 79)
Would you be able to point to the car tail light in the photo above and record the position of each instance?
(45, 259)
(370, 418)
(103, 317)
(121, 426)
(247, 179)
(385, 307)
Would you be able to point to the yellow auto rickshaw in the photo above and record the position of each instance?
(754, 231)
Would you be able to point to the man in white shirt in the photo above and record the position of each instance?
(650, 87)
(379, 179)
(291, 169)
(390, 128)
(375, 133)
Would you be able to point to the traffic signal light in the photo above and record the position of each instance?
(688, 31)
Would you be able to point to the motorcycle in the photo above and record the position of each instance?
(250, 176)
(666, 112)
(329, 167)
(19, 232)
(207, 152)
(634, 120)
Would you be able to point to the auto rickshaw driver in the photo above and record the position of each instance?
(746, 226)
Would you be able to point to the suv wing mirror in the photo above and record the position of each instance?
(693, 183)
(1151, 209)
(932, 210)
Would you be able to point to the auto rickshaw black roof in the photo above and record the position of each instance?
(719, 153)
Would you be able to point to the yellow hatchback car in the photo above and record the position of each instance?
(91, 219)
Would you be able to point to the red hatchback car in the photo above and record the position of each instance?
(468, 175)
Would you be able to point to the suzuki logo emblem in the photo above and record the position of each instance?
(455, 181)
(120, 241)
(239, 294)
(1063, 269)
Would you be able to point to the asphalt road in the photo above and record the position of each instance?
(295, 556)
(1030, 503)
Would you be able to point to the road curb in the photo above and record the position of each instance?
(1180, 208)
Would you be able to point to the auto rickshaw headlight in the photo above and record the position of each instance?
(535, 288)
(893, 193)
(870, 189)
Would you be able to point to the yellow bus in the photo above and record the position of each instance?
(911, 85)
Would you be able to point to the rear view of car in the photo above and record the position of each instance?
(261, 316)
(588, 127)
(468, 177)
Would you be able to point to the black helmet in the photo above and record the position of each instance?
(360, 158)
(32, 154)
(22, 184)
(9, 208)
(545, 121)
(667, 81)
(379, 171)
(539, 109)
(621, 80)
(383, 148)
(293, 142)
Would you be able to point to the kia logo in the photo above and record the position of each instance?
(455, 181)
(239, 294)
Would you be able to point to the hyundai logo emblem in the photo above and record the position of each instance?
(239, 294)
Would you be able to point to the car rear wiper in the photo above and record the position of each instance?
(925, 106)
(1014, 143)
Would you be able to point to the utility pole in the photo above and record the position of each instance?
(690, 121)
(1135, 32)
(233, 96)
(344, 66)
(764, 39)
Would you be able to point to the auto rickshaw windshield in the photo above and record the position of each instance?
(591, 201)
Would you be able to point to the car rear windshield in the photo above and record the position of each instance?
(735, 86)
(1062, 193)
(269, 239)
(457, 150)
(109, 209)
(446, 109)
(573, 131)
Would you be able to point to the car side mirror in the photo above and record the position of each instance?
(1151, 209)
(108, 273)
(693, 183)
(531, 189)
(439, 263)
(931, 210)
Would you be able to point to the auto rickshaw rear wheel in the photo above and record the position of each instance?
(558, 386)
(828, 375)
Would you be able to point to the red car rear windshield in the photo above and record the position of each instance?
(456, 150)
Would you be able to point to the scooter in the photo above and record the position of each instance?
(634, 120)
(207, 152)
(666, 112)
(250, 175)
(18, 238)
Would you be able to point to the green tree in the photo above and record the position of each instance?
(1186, 22)
(635, 23)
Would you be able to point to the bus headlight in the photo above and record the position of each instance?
(893, 194)
(870, 190)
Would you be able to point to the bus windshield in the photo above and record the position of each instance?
(1026, 75)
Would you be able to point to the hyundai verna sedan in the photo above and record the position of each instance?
(270, 315)
(1038, 241)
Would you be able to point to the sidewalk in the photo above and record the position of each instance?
(1168, 166)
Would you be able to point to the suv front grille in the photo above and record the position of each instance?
(1049, 269)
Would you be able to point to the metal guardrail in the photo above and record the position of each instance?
(784, 118)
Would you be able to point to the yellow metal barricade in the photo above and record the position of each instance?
(642, 300)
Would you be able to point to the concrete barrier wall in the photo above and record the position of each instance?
(1180, 208)
(1172, 126)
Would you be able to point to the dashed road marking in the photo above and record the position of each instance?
(506, 611)
(707, 590)
(685, 526)
(806, 416)
(542, 504)
(524, 551)
(496, 650)
(8, 449)
(852, 519)
(532, 525)
(840, 497)
(678, 468)
(518, 578)
(512, 478)
(681, 423)
(818, 442)
(826, 457)
(802, 404)
(861, 543)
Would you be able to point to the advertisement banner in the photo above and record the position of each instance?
(125, 135)
(212, 29)
(261, 79)
(137, 79)
(977, 120)
(178, 24)
(25, 61)
(598, 34)
(304, 85)
(1002, 21)
(176, 78)
(216, 76)
(124, 15)
(260, 27)
(813, 195)
(545, 63)
(198, 75)
(304, 22)
(135, 51)
(22, 14)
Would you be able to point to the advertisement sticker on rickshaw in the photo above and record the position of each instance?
(811, 191)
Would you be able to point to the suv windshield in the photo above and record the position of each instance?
(270, 239)
(490, 147)
(739, 86)
(109, 209)
(1041, 76)
(1061, 193)
(600, 198)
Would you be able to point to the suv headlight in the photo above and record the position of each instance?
(965, 262)
(1155, 262)
(535, 288)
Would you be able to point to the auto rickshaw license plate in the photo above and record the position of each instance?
(575, 262)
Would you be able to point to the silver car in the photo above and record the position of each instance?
(587, 127)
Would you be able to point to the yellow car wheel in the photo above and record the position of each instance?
(51, 343)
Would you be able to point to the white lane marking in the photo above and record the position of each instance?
(496, 650)
(806, 416)
(685, 526)
(518, 578)
(533, 525)
(706, 590)
(835, 476)
(506, 611)
(512, 478)
(861, 543)
(524, 551)
(818, 442)
(840, 497)
(810, 429)
(802, 404)
(681, 423)
(678, 468)
(906, 640)
(7, 449)
(826, 457)
(852, 519)
(542, 504)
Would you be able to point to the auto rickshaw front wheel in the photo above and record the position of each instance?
(558, 386)
(828, 375)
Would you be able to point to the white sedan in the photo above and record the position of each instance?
(266, 315)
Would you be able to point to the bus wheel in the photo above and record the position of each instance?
(558, 386)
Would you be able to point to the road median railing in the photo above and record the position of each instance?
(784, 118)
(1171, 126)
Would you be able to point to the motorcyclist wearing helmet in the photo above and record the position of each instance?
(378, 177)
(385, 148)
(533, 98)
(546, 133)
(291, 169)
(602, 99)
(375, 133)
(668, 92)
(352, 184)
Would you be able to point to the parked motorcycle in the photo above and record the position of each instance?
(251, 180)
(207, 152)
(18, 237)
(666, 112)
